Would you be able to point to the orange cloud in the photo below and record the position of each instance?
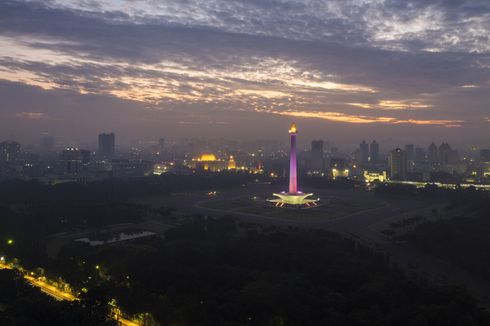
(392, 105)
(359, 119)
(30, 115)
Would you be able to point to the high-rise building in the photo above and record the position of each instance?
(419, 155)
(410, 149)
(71, 161)
(485, 155)
(86, 156)
(363, 153)
(374, 152)
(447, 155)
(398, 164)
(317, 155)
(161, 144)
(46, 144)
(9, 151)
(444, 152)
(432, 154)
(107, 145)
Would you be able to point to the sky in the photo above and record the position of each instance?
(398, 71)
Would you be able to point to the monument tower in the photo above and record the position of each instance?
(293, 196)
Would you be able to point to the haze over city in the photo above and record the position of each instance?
(389, 70)
(245, 162)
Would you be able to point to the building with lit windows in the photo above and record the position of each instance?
(398, 164)
(370, 177)
(210, 162)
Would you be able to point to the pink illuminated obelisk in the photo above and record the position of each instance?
(293, 182)
(293, 196)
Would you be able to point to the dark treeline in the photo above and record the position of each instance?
(30, 210)
(211, 272)
(217, 272)
(462, 239)
(31, 192)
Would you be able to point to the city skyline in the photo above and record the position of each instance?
(244, 162)
(393, 71)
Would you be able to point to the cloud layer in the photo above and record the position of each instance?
(359, 62)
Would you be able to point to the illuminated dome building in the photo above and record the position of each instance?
(293, 196)
(207, 158)
(208, 162)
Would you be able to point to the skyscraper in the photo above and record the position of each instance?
(447, 154)
(161, 144)
(419, 155)
(485, 155)
(317, 155)
(46, 144)
(71, 161)
(9, 151)
(107, 145)
(410, 149)
(363, 153)
(398, 164)
(374, 152)
(432, 155)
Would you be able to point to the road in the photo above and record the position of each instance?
(61, 295)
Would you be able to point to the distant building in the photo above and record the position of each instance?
(337, 163)
(86, 156)
(374, 152)
(447, 155)
(46, 144)
(209, 162)
(370, 177)
(398, 164)
(71, 161)
(161, 144)
(107, 145)
(410, 149)
(339, 168)
(432, 154)
(9, 151)
(317, 155)
(122, 168)
(419, 155)
(485, 156)
(363, 153)
(444, 153)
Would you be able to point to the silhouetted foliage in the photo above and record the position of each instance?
(210, 272)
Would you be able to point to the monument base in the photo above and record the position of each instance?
(296, 199)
